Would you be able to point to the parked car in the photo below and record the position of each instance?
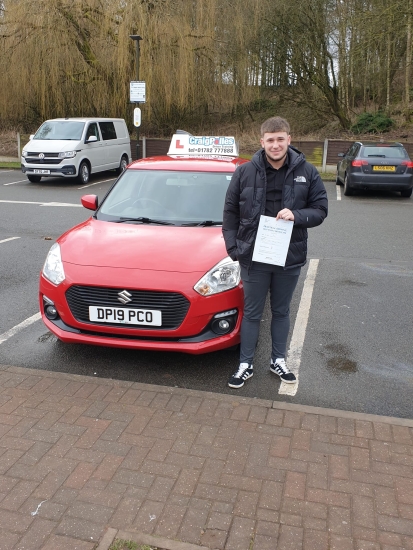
(76, 147)
(149, 270)
(376, 166)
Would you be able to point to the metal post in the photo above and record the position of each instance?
(137, 39)
(325, 149)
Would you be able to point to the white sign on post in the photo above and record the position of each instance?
(137, 91)
(137, 117)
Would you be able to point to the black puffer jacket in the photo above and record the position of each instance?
(303, 193)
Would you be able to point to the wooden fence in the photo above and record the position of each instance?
(320, 153)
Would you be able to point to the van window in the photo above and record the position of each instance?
(92, 131)
(108, 130)
(60, 129)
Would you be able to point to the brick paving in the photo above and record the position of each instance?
(84, 459)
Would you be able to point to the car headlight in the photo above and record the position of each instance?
(67, 154)
(53, 266)
(224, 276)
(24, 153)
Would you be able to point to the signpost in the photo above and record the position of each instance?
(137, 91)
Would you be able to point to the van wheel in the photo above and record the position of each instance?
(124, 161)
(34, 179)
(406, 193)
(84, 173)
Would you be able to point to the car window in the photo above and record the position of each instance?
(60, 129)
(384, 152)
(178, 197)
(92, 131)
(108, 130)
(352, 150)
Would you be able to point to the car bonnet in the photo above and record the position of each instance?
(139, 246)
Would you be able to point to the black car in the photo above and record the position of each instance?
(376, 166)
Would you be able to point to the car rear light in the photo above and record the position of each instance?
(407, 163)
(359, 163)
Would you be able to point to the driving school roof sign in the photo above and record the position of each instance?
(185, 144)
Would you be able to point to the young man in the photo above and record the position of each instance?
(278, 182)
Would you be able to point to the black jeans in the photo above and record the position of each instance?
(281, 283)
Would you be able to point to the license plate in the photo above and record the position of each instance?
(38, 171)
(126, 316)
(384, 168)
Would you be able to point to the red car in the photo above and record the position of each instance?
(149, 269)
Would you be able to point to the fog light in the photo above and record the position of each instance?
(224, 322)
(223, 325)
(51, 313)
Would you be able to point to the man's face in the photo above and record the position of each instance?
(276, 145)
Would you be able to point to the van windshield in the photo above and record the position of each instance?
(60, 129)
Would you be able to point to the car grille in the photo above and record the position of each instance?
(49, 158)
(174, 306)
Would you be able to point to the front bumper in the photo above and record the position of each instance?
(66, 171)
(194, 335)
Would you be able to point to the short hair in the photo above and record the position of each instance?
(275, 124)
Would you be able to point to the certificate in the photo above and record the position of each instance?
(273, 240)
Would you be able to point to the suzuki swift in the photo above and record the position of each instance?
(149, 269)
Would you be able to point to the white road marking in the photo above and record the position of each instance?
(9, 239)
(4, 171)
(96, 182)
(9, 333)
(44, 203)
(300, 327)
(61, 204)
(338, 187)
(13, 182)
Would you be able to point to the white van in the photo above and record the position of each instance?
(76, 147)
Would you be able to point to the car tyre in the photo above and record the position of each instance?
(84, 173)
(124, 161)
(347, 189)
(406, 193)
(34, 179)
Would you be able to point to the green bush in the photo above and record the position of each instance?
(372, 123)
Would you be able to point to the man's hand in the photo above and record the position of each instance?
(285, 214)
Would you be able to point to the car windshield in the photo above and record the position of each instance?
(60, 129)
(178, 197)
(395, 152)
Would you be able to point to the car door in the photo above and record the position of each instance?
(346, 162)
(110, 142)
(94, 150)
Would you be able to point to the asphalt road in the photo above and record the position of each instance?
(357, 352)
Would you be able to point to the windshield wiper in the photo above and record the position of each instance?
(381, 156)
(206, 223)
(143, 220)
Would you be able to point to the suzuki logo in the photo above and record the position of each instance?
(125, 297)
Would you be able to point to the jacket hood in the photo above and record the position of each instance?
(296, 158)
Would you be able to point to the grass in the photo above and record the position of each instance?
(120, 544)
(9, 164)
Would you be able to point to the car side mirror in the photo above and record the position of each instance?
(340, 155)
(92, 139)
(90, 202)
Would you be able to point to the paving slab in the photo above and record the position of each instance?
(86, 461)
